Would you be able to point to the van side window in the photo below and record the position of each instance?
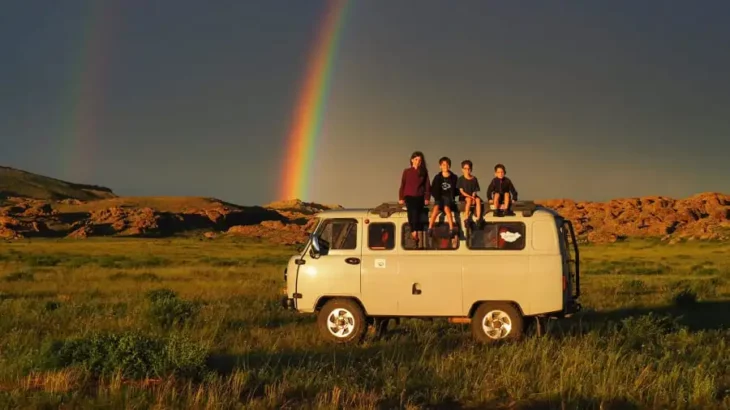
(498, 236)
(381, 236)
(441, 240)
(339, 233)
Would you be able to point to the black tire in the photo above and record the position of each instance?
(502, 314)
(351, 323)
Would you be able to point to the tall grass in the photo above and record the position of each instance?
(196, 324)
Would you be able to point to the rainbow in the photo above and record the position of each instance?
(309, 112)
(87, 92)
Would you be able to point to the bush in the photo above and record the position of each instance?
(131, 354)
(684, 298)
(42, 260)
(167, 310)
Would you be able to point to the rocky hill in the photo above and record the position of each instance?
(37, 206)
(17, 183)
(704, 216)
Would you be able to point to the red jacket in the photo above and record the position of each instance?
(414, 184)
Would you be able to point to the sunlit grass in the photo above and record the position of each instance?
(190, 323)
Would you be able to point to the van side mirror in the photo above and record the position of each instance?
(315, 243)
(316, 248)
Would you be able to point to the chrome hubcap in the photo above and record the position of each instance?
(497, 324)
(340, 322)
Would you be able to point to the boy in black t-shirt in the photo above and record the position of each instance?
(468, 186)
(501, 191)
(443, 190)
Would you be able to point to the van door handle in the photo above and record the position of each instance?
(416, 289)
(353, 261)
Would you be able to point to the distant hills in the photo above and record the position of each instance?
(37, 206)
(17, 183)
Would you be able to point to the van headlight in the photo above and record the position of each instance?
(285, 273)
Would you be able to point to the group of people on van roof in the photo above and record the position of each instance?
(416, 190)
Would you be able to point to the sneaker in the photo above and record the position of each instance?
(499, 213)
(430, 232)
(481, 223)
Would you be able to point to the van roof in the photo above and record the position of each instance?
(522, 209)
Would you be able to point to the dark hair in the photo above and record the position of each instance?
(498, 166)
(447, 159)
(467, 162)
(422, 170)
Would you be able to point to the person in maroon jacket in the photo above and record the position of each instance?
(415, 191)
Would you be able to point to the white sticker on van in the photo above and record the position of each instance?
(379, 263)
(510, 236)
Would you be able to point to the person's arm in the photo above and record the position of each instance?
(490, 191)
(454, 183)
(460, 186)
(512, 191)
(401, 191)
(435, 188)
(476, 186)
(427, 192)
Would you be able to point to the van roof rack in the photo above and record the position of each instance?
(387, 209)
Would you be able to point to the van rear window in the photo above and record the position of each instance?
(498, 236)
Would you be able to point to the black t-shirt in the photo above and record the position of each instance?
(444, 186)
(469, 186)
(501, 187)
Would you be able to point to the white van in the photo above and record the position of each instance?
(362, 267)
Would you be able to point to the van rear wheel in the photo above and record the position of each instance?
(497, 321)
(342, 321)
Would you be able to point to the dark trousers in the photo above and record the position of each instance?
(414, 207)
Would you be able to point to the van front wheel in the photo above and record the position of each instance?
(342, 321)
(497, 321)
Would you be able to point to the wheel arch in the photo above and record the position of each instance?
(478, 303)
(324, 299)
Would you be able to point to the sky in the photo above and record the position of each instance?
(581, 100)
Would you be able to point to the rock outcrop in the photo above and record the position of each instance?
(703, 217)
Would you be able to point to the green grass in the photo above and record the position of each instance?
(184, 323)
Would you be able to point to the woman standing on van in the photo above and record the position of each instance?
(415, 191)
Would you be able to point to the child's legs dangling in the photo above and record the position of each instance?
(479, 207)
(449, 216)
(495, 201)
(434, 214)
(467, 207)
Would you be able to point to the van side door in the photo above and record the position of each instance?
(379, 272)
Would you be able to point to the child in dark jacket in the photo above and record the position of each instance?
(501, 191)
(444, 192)
(415, 191)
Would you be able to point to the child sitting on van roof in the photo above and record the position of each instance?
(468, 186)
(501, 191)
(443, 189)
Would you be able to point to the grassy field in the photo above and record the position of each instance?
(184, 323)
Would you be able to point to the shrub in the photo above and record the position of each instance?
(42, 260)
(684, 298)
(167, 310)
(131, 354)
